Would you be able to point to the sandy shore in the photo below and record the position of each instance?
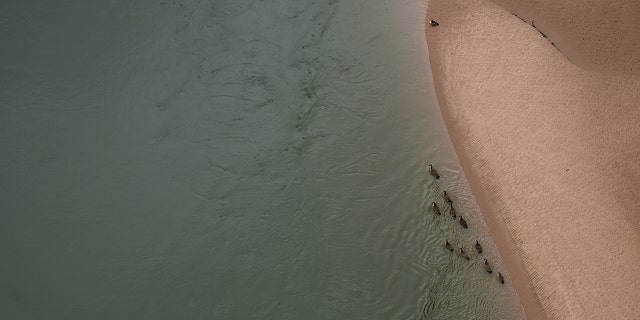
(546, 123)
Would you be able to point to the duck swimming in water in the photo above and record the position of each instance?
(433, 172)
(478, 247)
(446, 197)
(434, 23)
(487, 267)
(500, 278)
(453, 211)
(448, 246)
(463, 223)
(464, 254)
(435, 208)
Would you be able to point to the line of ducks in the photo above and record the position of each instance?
(465, 255)
(453, 212)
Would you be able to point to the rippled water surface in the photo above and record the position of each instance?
(229, 159)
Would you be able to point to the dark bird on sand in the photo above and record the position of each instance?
(500, 278)
(478, 247)
(463, 223)
(435, 208)
(453, 210)
(487, 267)
(464, 254)
(434, 23)
(433, 172)
(446, 197)
(448, 246)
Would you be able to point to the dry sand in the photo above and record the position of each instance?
(549, 137)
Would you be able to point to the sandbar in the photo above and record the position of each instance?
(542, 103)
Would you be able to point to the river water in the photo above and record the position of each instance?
(229, 159)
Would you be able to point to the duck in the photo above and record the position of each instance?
(500, 278)
(434, 23)
(487, 267)
(435, 208)
(453, 211)
(463, 223)
(448, 246)
(433, 172)
(464, 254)
(478, 247)
(446, 197)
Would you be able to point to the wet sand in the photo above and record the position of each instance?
(546, 123)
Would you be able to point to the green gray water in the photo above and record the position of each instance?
(228, 159)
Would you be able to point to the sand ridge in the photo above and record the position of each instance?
(596, 35)
(550, 150)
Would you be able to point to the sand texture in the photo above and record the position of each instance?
(547, 127)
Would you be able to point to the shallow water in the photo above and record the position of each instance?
(229, 160)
